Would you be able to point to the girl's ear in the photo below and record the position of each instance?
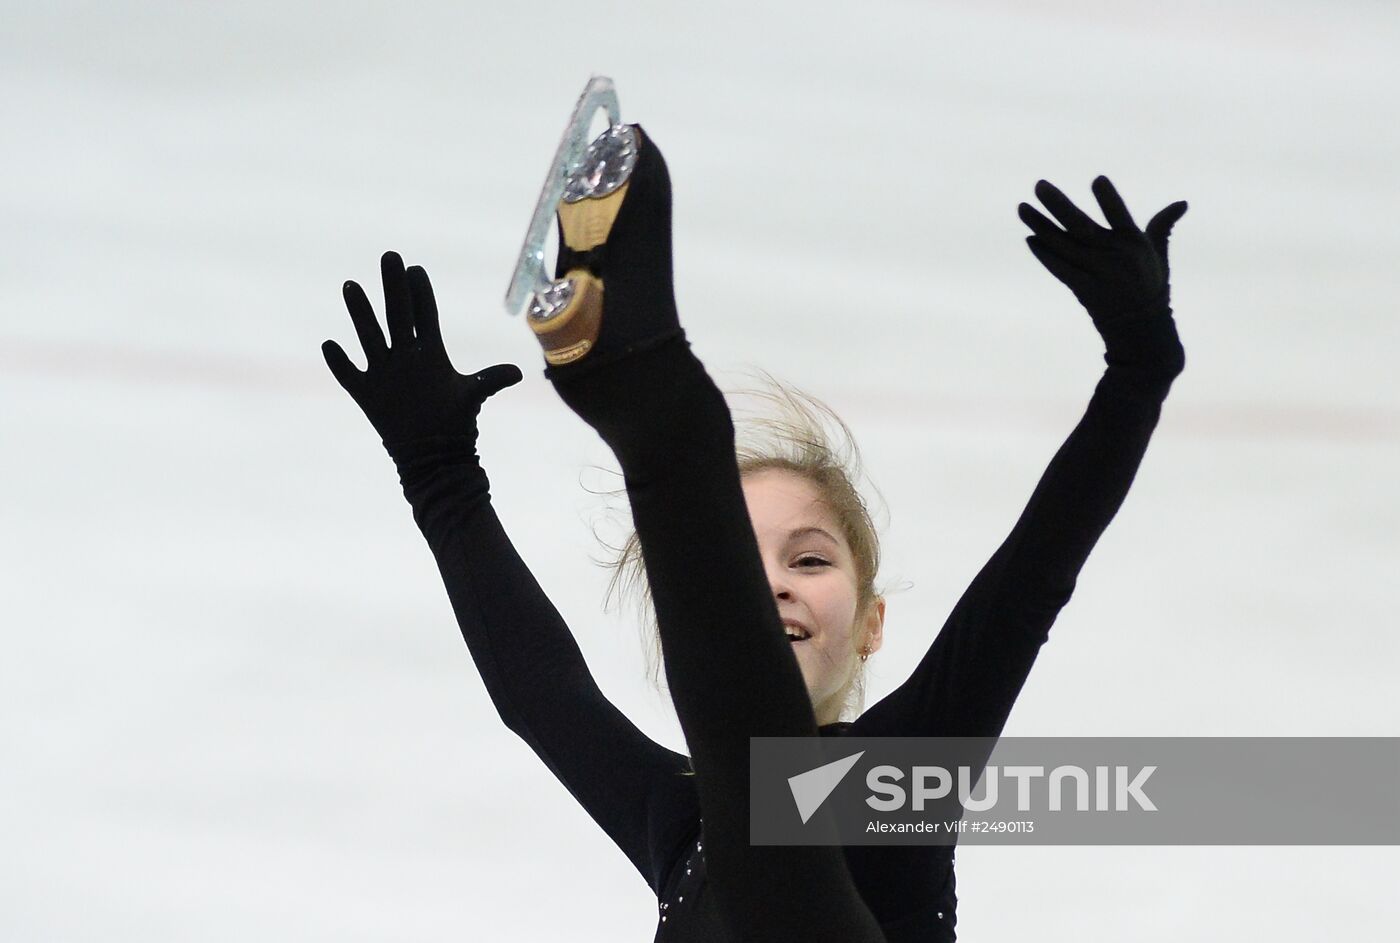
(875, 625)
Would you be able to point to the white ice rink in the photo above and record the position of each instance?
(234, 704)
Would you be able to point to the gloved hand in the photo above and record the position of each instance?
(410, 390)
(1116, 273)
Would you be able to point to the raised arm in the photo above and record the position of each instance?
(425, 412)
(967, 682)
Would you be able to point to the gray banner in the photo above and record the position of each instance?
(1075, 791)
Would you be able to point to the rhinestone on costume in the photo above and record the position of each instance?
(940, 915)
(607, 164)
(546, 304)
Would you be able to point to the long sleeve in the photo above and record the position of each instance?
(533, 669)
(970, 677)
(967, 682)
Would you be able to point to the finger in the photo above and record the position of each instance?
(425, 312)
(1114, 210)
(1053, 237)
(366, 324)
(1070, 216)
(1063, 269)
(398, 303)
(494, 379)
(1037, 221)
(341, 368)
(1159, 228)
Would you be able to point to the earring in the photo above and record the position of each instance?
(864, 653)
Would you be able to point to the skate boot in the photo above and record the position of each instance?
(612, 287)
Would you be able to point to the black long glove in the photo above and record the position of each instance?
(410, 390)
(1119, 273)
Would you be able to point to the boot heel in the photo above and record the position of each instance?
(567, 317)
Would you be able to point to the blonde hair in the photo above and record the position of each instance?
(779, 427)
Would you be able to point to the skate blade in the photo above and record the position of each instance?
(530, 284)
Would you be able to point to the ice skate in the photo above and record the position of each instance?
(612, 202)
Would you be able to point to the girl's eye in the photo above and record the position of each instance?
(810, 561)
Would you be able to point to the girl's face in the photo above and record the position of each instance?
(813, 575)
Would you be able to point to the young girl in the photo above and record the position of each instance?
(738, 560)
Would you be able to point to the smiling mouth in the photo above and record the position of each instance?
(796, 633)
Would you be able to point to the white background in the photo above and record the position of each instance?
(233, 702)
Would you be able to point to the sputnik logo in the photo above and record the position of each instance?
(810, 789)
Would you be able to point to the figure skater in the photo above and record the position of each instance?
(761, 576)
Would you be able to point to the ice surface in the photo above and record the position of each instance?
(233, 703)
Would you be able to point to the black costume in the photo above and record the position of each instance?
(731, 672)
(636, 789)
